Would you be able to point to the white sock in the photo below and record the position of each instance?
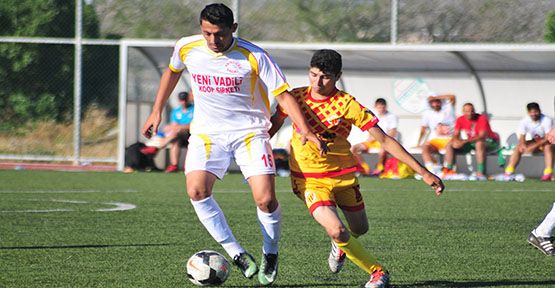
(212, 217)
(270, 224)
(545, 229)
(429, 165)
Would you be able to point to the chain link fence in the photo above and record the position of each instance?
(37, 53)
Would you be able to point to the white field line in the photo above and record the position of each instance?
(119, 206)
(72, 191)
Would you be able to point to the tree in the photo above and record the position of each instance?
(37, 79)
(549, 32)
(472, 20)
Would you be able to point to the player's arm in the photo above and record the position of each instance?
(286, 100)
(167, 84)
(394, 148)
(449, 97)
(277, 121)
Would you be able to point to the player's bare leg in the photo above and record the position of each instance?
(427, 155)
(199, 189)
(480, 159)
(269, 218)
(358, 225)
(548, 160)
(327, 217)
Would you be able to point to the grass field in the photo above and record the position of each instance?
(473, 236)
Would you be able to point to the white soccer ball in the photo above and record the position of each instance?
(207, 267)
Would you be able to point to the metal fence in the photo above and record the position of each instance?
(59, 60)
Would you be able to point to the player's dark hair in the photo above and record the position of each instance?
(327, 60)
(533, 106)
(468, 104)
(217, 14)
(381, 101)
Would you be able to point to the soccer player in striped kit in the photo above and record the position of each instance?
(325, 182)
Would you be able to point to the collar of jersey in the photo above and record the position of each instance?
(329, 99)
(233, 45)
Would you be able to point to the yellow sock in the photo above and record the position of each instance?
(360, 256)
(510, 169)
(547, 171)
(379, 166)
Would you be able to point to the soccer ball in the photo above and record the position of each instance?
(207, 267)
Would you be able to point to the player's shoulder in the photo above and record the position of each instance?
(249, 46)
(546, 118)
(390, 115)
(298, 91)
(345, 97)
(193, 40)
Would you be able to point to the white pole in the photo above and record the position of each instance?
(122, 105)
(77, 82)
(235, 8)
(394, 6)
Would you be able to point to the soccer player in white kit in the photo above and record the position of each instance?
(231, 79)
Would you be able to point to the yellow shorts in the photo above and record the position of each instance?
(439, 143)
(342, 191)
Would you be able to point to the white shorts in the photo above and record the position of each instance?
(213, 153)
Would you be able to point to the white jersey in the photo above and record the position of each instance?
(446, 116)
(535, 128)
(387, 121)
(231, 88)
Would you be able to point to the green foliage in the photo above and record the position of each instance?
(549, 32)
(360, 21)
(37, 79)
(20, 105)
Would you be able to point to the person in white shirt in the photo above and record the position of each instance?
(231, 79)
(439, 122)
(388, 123)
(536, 125)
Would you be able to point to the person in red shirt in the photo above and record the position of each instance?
(472, 132)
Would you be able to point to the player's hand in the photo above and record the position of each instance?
(434, 182)
(151, 125)
(321, 144)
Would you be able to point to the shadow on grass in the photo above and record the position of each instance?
(84, 246)
(302, 285)
(440, 283)
(321, 282)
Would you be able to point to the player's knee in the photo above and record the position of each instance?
(198, 193)
(338, 234)
(360, 229)
(267, 203)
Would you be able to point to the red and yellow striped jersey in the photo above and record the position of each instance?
(330, 119)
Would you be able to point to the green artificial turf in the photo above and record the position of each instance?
(472, 236)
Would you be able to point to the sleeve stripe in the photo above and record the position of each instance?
(370, 124)
(281, 89)
(175, 69)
